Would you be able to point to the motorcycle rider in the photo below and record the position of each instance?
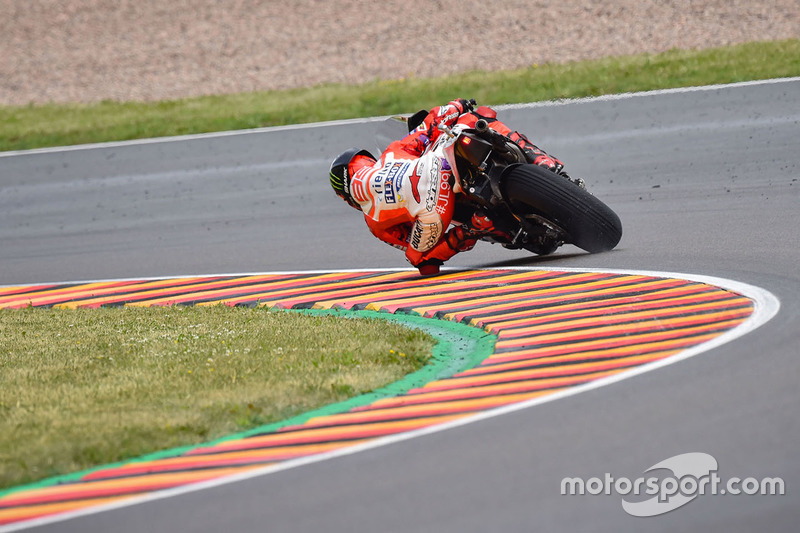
(407, 196)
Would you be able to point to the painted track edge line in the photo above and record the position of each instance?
(653, 92)
(766, 306)
(359, 120)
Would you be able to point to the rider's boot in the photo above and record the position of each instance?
(537, 156)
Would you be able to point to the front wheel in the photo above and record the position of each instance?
(588, 223)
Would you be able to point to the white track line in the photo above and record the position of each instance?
(766, 306)
(232, 133)
(656, 92)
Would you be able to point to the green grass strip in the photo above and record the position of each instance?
(37, 126)
(459, 347)
(87, 387)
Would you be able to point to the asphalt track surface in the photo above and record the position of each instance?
(705, 182)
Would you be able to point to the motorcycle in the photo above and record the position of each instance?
(531, 207)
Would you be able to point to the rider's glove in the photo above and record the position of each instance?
(448, 114)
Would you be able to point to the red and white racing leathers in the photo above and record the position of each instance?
(407, 195)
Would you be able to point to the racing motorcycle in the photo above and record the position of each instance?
(531, 207)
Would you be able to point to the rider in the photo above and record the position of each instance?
(407, 196)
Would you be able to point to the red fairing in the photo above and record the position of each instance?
(486, 112)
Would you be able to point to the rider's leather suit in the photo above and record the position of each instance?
(407, 194)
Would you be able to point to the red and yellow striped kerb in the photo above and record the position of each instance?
(555, 330)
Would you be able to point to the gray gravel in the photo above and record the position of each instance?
(90, 50)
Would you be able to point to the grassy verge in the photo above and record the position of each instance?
(87, 387)
(52, 125)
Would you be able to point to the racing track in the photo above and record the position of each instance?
(705, 182)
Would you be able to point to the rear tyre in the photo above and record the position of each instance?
(589, 223)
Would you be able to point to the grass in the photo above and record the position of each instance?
(80, 388)
(37, 126)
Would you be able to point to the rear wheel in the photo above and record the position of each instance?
(588, 223)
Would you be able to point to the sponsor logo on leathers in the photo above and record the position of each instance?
(390, 188)
(378, 180)
(425, 236)
(444, 197)
(433, 189)
(414, 179)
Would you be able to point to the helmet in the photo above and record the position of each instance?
(340, 174)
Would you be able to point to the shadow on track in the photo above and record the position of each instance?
(532, 260)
